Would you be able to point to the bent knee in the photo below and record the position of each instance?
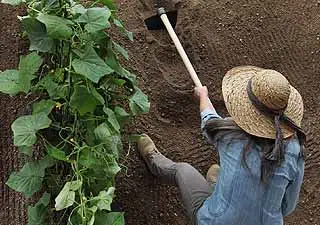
(183, 167)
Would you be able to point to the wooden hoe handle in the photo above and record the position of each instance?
(181, 51)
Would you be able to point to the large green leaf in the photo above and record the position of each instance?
(121, 114)
(122, 29)
(112, 143)
(66, 197)
(77, 8)
(121, 50)
(112, 120)
(39, 213)
(97, 159)
(91, 65)
(96, 94)
(57, 27)
(44, 106)
(29, 179)
(54, 90)
(9, 82)
(112, 168)
(56, 153)
(12, 2)
(89, 159)
(82, 100)
(95, 19)
(37, 34)
(104, 199)
(139, 103)
(25, 128)
(113, 218)
(28, 66)
(102, 132)
(113, 62)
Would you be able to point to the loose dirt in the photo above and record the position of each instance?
(12, 204)
(218, 35)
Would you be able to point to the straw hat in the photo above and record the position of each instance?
(272, 89)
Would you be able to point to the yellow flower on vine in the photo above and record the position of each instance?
(58, 105)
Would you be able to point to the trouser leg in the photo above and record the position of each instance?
(194, 188)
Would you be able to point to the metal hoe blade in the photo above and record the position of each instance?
(155, 22)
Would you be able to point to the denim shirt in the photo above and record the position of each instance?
(239, 198)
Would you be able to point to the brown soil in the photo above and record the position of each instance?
(218, 35)
(12, 204)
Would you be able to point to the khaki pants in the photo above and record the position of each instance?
(193, 187)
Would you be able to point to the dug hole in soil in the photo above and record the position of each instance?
(217, 35)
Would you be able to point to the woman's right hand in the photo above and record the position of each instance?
(200, 92)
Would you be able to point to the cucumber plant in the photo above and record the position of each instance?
(86, 97)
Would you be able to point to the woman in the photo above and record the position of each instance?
(260, 149)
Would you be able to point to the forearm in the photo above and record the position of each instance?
(205, 103)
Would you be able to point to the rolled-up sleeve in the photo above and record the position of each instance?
(291, 196)
(208, 114)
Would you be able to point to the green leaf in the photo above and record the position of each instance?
(121, 50)
(77, 9)
(112, 167)
(26, 150)
(139, 103)
(75, 185)
(102, 132)
(121, 114)
(25, 128)
(113, 218)
(88, 159)
(66, 197)
(54, 90)
(112, 61)
(44, 106)
(82, 100)
(96, 94)
(120, 25)
(56, 153)
(12, 2)
(37, 34)
(39, 213)
(97, 159)
(113, 144)
(29, 179)
(109, 3)
(112, 119)
(28, 66)
(96, 19)
(119, 82)
(44, 200)
(9, 82)
(104, 199)
(91, 65)
(57, 27)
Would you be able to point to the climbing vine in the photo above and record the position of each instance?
(85, 98)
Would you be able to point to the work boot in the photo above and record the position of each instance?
(147, 148)
(159, 165)
(213, 173)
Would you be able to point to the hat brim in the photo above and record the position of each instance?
(246, 115)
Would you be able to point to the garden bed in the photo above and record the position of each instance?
(281, 35)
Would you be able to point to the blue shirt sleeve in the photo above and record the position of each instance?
(207, 115)
(291, 196)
